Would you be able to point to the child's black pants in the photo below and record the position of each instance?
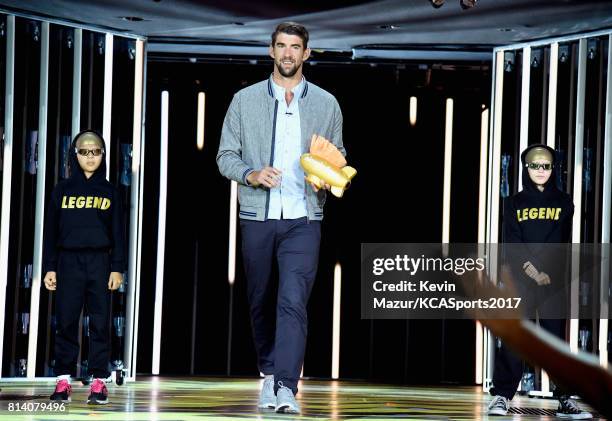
(82, 279)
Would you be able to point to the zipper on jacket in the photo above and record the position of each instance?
(271, 155)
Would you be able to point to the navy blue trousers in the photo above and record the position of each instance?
(82, 279)
(280, 323)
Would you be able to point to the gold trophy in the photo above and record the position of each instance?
(326, 165)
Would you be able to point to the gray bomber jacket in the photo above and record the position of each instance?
(248, 137)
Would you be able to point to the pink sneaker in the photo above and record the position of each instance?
(98, 394)
(62, 392)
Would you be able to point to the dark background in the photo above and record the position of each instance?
(396, 197)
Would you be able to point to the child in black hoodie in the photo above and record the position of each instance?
(84, 258)
(540, 213)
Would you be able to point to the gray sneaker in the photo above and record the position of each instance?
(267, 399)
(285, 401)
(568, 409)
(498, 406)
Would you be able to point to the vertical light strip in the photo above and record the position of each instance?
(482, 185)
(133, 288)
(525, 85)
(131, 375)
(413, 111)
(161, 233)
(200, 128)
(578, 152)
(607, 161)
(479, 353)
(492, 224)
(40, 200)
(552, 95)
(603, 339)
(233, 212)
(606, 208)
(108, 97)
(550, 140)
(76, 81)
(482, 207)
(488, 347)
(7, 170)
(336, 322)
(545, 382)
(231, 269)
(448, 158)
(496, 149)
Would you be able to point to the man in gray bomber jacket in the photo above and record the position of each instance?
(267, 128)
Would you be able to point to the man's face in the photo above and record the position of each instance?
(91, 162)
(288, 53)
(540, 175)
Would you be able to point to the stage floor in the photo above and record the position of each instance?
(165, 398)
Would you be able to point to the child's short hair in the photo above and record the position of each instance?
(89, 136)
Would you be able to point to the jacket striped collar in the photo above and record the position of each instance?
(271, 90)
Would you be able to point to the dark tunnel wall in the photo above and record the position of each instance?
(396, 197)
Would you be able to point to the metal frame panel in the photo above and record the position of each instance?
(552, 95)
(494, 151)
(5, 217)
(525, 87)
(606, 210)
(133, 290)
(137, 176)
(577, 190)
(492, 223)
(37, 274)
(70, 24)
(548, 41)
(76, 81)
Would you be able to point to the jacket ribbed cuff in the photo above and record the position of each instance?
(245, 175)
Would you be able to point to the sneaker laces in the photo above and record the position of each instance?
(282, 386)
(98, 386)
(268, 384)
(569, 406)
(63, 386)
(499, 402)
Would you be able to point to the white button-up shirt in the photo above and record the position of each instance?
(287, 199)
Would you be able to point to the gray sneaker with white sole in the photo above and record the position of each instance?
(267, 399)
(285, 401)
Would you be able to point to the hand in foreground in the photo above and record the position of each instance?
(50, 281)
(268, 177)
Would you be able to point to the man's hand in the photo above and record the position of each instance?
(316, 187)
(50, 281)
(268, 177)
(115, 280)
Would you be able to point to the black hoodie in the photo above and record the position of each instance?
(534, 216)
(84, 214)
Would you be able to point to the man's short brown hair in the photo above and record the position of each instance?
(291, 28)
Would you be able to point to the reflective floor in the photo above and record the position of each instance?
(192, 398)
